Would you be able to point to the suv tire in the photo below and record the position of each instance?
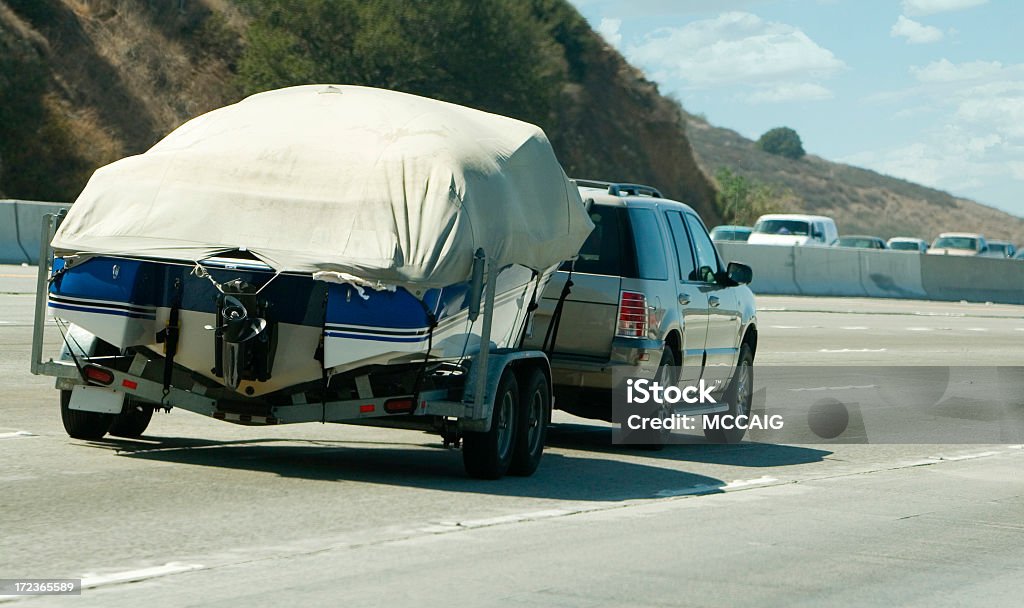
(739, 396)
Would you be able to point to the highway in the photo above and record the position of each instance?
(203, 513)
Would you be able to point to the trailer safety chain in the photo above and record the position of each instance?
(556, 318)
(532, 306)
(71, 351)
(418, 385)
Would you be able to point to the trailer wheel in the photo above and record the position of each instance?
(82, 425)
(132, 422)
(534, 411)
(488, 455)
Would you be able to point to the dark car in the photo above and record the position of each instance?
(731, 233)
(861, 242)
(1002, 249)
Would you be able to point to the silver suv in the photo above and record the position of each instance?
(649, 295)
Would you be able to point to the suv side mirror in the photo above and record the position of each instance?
(739, 274)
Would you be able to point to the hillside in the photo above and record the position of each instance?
(84, 82)
(861, 201)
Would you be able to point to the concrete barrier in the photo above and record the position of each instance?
(20, 228)
(891, 274)
(10, 248)
(773, 265)
(828, 271)
(950, 277)
(30, 220)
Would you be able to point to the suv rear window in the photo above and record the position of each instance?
(609, 248)
(650, 252)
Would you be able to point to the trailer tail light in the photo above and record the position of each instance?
(98, 375)
(632, 315)
(398, 406)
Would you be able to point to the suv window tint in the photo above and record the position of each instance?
(703, 247)
(650, 254)
(681, 241)
(609, 248)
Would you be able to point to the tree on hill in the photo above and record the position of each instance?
(742, 200)
(782, 141)
(492, 55)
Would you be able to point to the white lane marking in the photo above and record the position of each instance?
(920, 328)
(6, 322)
(966, 456)
(854, 327)
(131, 576)
(976, 329)
(852, 350)
(707, 488)
(1019, 328)
(834, 388)
(786, 326)
(16, 434)
(505, 519)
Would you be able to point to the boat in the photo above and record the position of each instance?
(283, 248)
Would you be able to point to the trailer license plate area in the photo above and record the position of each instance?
(96, 399)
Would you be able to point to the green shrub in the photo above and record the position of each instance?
(782, 141)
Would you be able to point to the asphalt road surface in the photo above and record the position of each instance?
(203, 513)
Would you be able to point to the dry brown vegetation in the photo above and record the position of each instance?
(861, 201)
(122, 73)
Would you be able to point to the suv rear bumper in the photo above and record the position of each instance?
(638, 358)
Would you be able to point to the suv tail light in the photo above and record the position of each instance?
(632, 315)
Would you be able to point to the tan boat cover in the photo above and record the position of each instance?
(386, 186)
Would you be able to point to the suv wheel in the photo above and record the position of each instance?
(739, 396)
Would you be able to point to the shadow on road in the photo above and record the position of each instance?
(689, 448)
(561, 476)
(586, 473)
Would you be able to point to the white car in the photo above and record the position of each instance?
(959, 243)
(906, 243)
(794, 229)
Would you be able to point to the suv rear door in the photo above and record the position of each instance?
(724, 320)
(593, 302)
(691, 299)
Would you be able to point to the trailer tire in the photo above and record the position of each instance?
(534, 412)
(80, 424)
(131, 422)
(488, 455)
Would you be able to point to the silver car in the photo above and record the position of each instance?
(649, 294)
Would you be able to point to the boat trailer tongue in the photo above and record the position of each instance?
(245, 341)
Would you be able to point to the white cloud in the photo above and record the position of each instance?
(914, 32)
(1002, 113)
(977, 138)
(734, 48)
(609, 29)
(930, 7)
(944, 70)
(789, 91)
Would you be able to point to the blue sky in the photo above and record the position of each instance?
(927, 90)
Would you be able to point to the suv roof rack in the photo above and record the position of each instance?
(623, 189)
